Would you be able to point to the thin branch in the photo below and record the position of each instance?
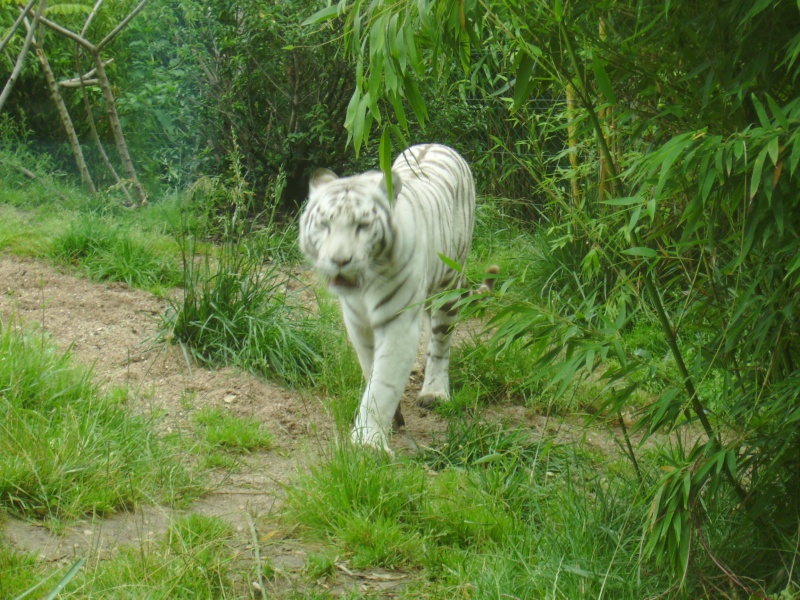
(90, 17)
(23, 13)
(122, 25)
(21, 58)
(86, 78)
(74, 83)
(63, 114)
(70, 34)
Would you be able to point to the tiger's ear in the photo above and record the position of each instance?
(397, 185)
(321, 177)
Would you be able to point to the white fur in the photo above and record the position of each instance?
(382, 259)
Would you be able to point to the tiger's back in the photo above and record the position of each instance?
(438, 184)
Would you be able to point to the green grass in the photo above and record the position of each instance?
(108, 251)
(495, 377)
(220, 430)
(69, 449)
(235, 310)
(194, 559)
(490, 512)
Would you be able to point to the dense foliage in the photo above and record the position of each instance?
(673, 206)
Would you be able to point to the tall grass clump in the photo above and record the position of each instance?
(236, 306)
(67, 448)
(109, 251)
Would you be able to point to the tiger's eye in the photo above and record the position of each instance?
(361, 227)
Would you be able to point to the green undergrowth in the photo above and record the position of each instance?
(69, 448)
(193, 559)
(495, 377)
(223, 437)
(488, 512)
(236, 308)
(108, 251)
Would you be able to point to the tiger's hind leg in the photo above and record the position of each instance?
(436, 386)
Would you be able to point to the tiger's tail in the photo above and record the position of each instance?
(488, 282)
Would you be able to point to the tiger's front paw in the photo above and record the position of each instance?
(429, 400)
(371, 438)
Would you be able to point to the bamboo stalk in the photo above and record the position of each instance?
(116, 128)
(82, 83)
(66, 121)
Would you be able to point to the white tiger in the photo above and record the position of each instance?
(381, 257)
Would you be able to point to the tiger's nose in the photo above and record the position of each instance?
(340, 261)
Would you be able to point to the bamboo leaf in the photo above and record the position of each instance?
(627, 201)
(399, 111)
(755, 177)
(778, 113)
(760, 111)
(641, 251)
(603, 80)
(326, 14)
(773, 149)
(415, 100)
(524, 84)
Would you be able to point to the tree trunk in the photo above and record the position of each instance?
(66, 121)
(92, 126)
(116, 128)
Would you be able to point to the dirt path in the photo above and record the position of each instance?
(114, 328)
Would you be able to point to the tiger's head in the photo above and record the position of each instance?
(346, 226)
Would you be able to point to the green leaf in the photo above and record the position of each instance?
(603, 80)
(760, 111)
(778, 113)
(359, 127)
(794, 265)
(731, 463)
(399, 111)
(634, 219)
(415, 100)
(773, 148)
(651, 209)
(411, 49)
(455, 265)
(525, 83)
(684, 548)
(352, 109)
(755, 177)
(326, 14)
(489, 458)
(627, 201)
(795, 156)
(67, 9)
(641, 251)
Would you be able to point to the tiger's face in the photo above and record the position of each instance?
(346, 227)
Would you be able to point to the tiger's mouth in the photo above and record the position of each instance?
(341, 281)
